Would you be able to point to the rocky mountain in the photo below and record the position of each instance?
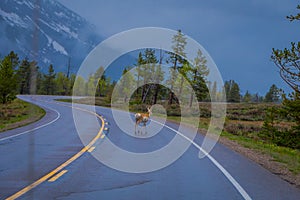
(45, 31)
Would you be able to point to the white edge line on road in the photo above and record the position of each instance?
(28, 131)
(239, 188)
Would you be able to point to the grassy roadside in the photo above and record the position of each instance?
(19, 113)
(290, 158)
(242, 126)
(282, 161)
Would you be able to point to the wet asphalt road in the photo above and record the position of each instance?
(32, 152)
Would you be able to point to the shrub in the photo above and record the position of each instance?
(273, 131)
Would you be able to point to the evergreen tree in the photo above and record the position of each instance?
(33, 80)
(232, 90)
(14, 59)
(39, 82)
(49, 81)
(247, 97)
(23, 76)
(227, 87)
(91, 86)
(101, 82)
(288, 61)
(214, 92)
(158, 78)
(79, 87)
(273, 94)
(62, 84)
(8, 81)
(235, 95)
(199, 72)
(148, 73)
(140, 62)
(71, 84)
(126, 84)
(176, 57)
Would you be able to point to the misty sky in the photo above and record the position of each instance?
(238, 34)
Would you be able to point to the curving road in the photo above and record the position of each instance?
(47, 160)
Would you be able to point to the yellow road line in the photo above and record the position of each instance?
(91, 149)
(54, 178)
(68, 162)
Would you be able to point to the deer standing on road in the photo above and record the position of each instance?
(142, 118)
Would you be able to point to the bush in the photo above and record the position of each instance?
(273, 130)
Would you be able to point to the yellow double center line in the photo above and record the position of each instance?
(65, 164)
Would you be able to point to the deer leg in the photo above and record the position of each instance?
(145, 128)
(135, 129)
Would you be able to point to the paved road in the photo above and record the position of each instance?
(29, 155)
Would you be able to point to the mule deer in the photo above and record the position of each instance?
(142, 118)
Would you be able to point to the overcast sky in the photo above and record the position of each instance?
(238, 34)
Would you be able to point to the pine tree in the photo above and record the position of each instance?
(159, 77)
(33, 80)
(71, 84)
(176, 58)
(213, 95)
(199, 72)
(23, 76)
(14, 59)
(79, 86)
(91, 86)
(247, 97)
(273, 94)
(49, 81)
(148, 73)
(100, 81)
(8, 81)
(39, 82)
(232, 90)
(62, 84)
(227, 87)
(126, 85)
(235, 95)
(140, 62)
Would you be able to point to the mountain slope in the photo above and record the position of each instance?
(47, 32)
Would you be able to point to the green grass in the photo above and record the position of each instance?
(289, 157)
(18, 113)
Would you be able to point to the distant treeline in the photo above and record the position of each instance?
(25, 77)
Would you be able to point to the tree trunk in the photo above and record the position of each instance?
(192, 94)
(171, 95)
(181, 86)
(155, 94)
(191, 99)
